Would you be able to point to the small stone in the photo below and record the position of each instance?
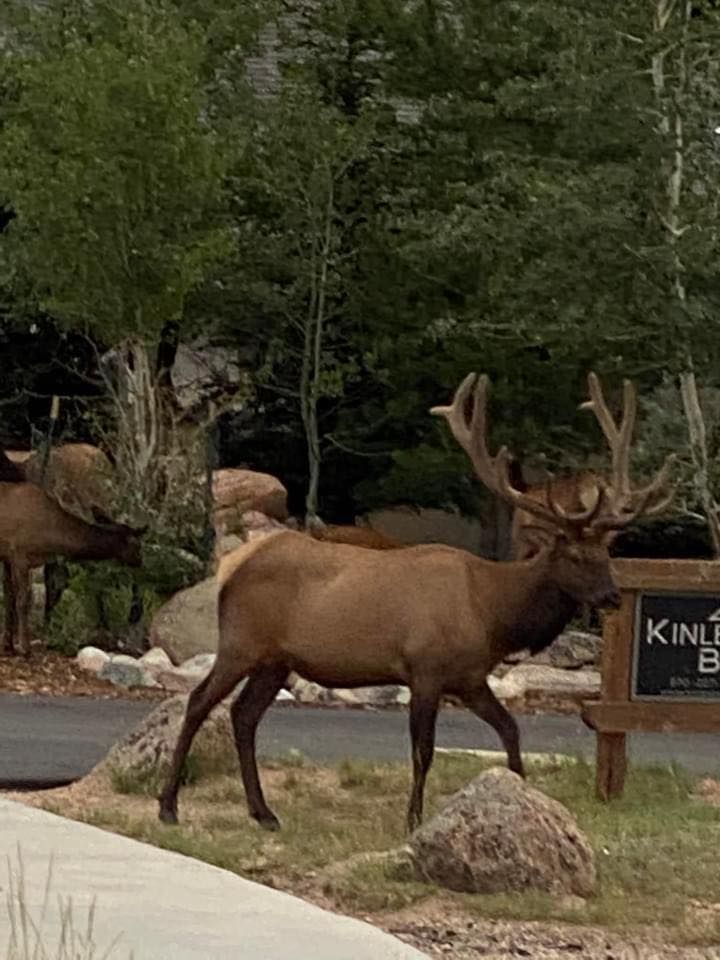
(123, 658)
(122, 673)
(575, 649)
(175, 680)
(510, 687)
(156, 659)
(307, 692)
(92, 659)
(285, 695)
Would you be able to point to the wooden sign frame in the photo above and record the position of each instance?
(616, 714)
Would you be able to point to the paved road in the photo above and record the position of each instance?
(48, 741)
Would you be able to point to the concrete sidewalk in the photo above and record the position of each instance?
(164, 906)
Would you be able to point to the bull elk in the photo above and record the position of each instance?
(431, 617)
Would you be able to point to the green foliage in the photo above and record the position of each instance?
(110, 166)
(428, 189)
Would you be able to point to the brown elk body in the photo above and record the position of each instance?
(435, 618)
(34, 528)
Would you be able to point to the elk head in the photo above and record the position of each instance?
(125, 541)
(574, 542)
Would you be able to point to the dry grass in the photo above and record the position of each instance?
(28, 936)
(656, 848)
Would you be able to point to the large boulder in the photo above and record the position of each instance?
(148, 749)
(236, 492)
(188, 623)
(499, 835)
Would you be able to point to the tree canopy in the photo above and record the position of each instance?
(366, 200)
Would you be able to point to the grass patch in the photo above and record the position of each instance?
(656, 848)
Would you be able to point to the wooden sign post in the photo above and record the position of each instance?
(660, 659)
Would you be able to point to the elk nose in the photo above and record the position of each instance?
(611, 599)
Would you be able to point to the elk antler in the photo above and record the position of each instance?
(624, 503)
(494, 472)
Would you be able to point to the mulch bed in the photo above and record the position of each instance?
(53, 675)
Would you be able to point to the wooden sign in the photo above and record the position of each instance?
(660, 659)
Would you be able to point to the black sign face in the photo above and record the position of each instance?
(676, 653)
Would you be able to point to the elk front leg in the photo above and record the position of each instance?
(484, 704)
(56, 577)
(247, 711)
(206, 695)
(424, 702)
(10, 619)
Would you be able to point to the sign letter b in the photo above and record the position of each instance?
(708, 660)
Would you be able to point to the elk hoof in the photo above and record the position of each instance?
(269, 821)
(168, 815)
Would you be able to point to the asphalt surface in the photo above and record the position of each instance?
(50, 741)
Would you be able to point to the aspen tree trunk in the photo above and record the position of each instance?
(670, 103)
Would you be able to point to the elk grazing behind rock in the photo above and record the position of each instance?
(435, 618)
(34, 528)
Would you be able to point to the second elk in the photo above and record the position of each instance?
(434, 618)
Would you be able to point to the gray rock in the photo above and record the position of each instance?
(188, 624)
(122, 673)
(92, 659)
(538, 679)
(305, 691)
(175, 680)
(381, 696)
(532, 679)
(155, 659)
(201, 663)
(149, 747)
(499, 835)
(575, 649)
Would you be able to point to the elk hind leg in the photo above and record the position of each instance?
(484, 704)
(9, 603)
(247, 711)
(208, 693)
(22, 590)
(424, 703)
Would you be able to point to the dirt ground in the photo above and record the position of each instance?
(53, 675)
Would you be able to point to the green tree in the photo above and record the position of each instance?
(109, 162)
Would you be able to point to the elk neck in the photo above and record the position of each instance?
(533, 610)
